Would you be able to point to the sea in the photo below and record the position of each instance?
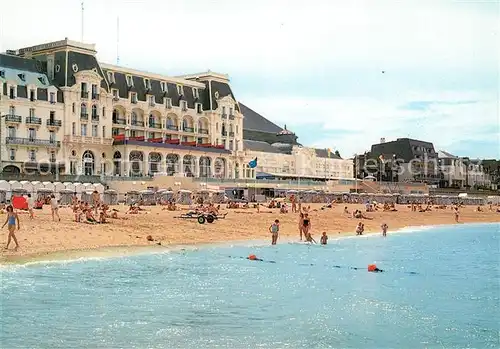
(439, 288)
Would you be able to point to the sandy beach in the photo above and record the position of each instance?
(42, 239)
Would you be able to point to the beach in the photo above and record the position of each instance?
(41, 238)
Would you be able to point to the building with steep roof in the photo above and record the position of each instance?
(279, 155)
(60, 105)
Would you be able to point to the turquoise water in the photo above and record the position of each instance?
(440, 288)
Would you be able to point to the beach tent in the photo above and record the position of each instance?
(43, 194)
(87, 196)
(19, 202)
(15, 185)
(28, 186)
(218, 196)
(4, 185)
(133, 196)
(58, 186)
(99, 188)
(87, 187)
(65, 196)
(110, 197)
(49, 185)
(184, 197)
(202, 196)
(78, 188)
(147, 197)
(36, 185)
(3, 196)
(164, 195)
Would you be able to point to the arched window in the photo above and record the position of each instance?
(88, 163)
(170, 122)
(115, 115)
(151, 119)
(185, 123)
(94, 110)
(133, 117)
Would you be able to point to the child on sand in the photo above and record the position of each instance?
(12, 218)
(384, 229)
(324, 238)
(274, 230)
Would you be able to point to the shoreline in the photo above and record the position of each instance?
(120, 251)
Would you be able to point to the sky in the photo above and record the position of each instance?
(340, 74)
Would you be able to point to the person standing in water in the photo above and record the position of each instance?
(384, 229)
(324, 238)
(306, 224)
(54, 206)
(274, 230)
(11, 220)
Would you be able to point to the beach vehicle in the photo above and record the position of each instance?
(202, 217)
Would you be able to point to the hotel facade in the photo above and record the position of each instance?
(62, 111)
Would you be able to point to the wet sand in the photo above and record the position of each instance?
(42, 239)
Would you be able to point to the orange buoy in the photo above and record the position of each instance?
(252, 257)
(372, 267)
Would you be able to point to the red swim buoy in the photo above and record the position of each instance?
(252, 257)
(372, 267)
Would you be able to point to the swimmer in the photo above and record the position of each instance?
(384, 229)
(274, 230)
(324, 238)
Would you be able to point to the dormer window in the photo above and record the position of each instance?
(42, 80)
(179, 90)
(133, 98)
(195, 93)
(147, 84)
(163, 85)
(130, 81)
(184, 105)
(22, 76)
(111, 77)
(151, 101)
(115, 94)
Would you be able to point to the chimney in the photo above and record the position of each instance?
(382, 140)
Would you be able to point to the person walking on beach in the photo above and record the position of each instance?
(11, 220)
(384, 229)
(306, 224)
(301, 224)
(457, 214)
(54, 206)
(31, 205)
(274, 230)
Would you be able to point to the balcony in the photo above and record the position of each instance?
(32, 120)
(231, 117)
(172, 127)
(188, 129)
(84, 116)
(13, 118)
(119, 121)
(95, 96)
(137, 123)
(32, 141)
(224, 116)
(203, 131)
(155, 125)
(231, 134)
(95, 118)
(54, 123)
(84, 94)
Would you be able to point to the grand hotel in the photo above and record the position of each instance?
(62, 110)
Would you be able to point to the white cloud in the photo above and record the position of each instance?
(351, 125)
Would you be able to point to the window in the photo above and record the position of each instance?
(52, 137)
(32, 112)
(73, 108)
(184, 105)
(32, 155)
(223, 110)
(103, 112)
(199, 110)
(12, 154)
(83, 130)
(168, 103)
(12, 92)
(115, 94)
(163, 86)
(52, 156)
(111, 77)
(133, 98)
(104, 132)
(195, 93)
(94, 111)
(236, 129)
(31, 134)
(32, 95)
(11, 132)
(12, 110)
(230, 111)
(152, 101)
(133, 117)
(147, 84)
(179, 90)
(22, 76)
(95, 92)
(83, 109)
(52, 98)
(133, 133)
(2, 73)
(130, 81)
(231, 145)
(94, 131)
(84, 87)
(73, 129)
(151, 135)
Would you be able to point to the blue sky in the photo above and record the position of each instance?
(341, 74)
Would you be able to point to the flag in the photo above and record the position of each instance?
(253, 163)
(329, 152)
